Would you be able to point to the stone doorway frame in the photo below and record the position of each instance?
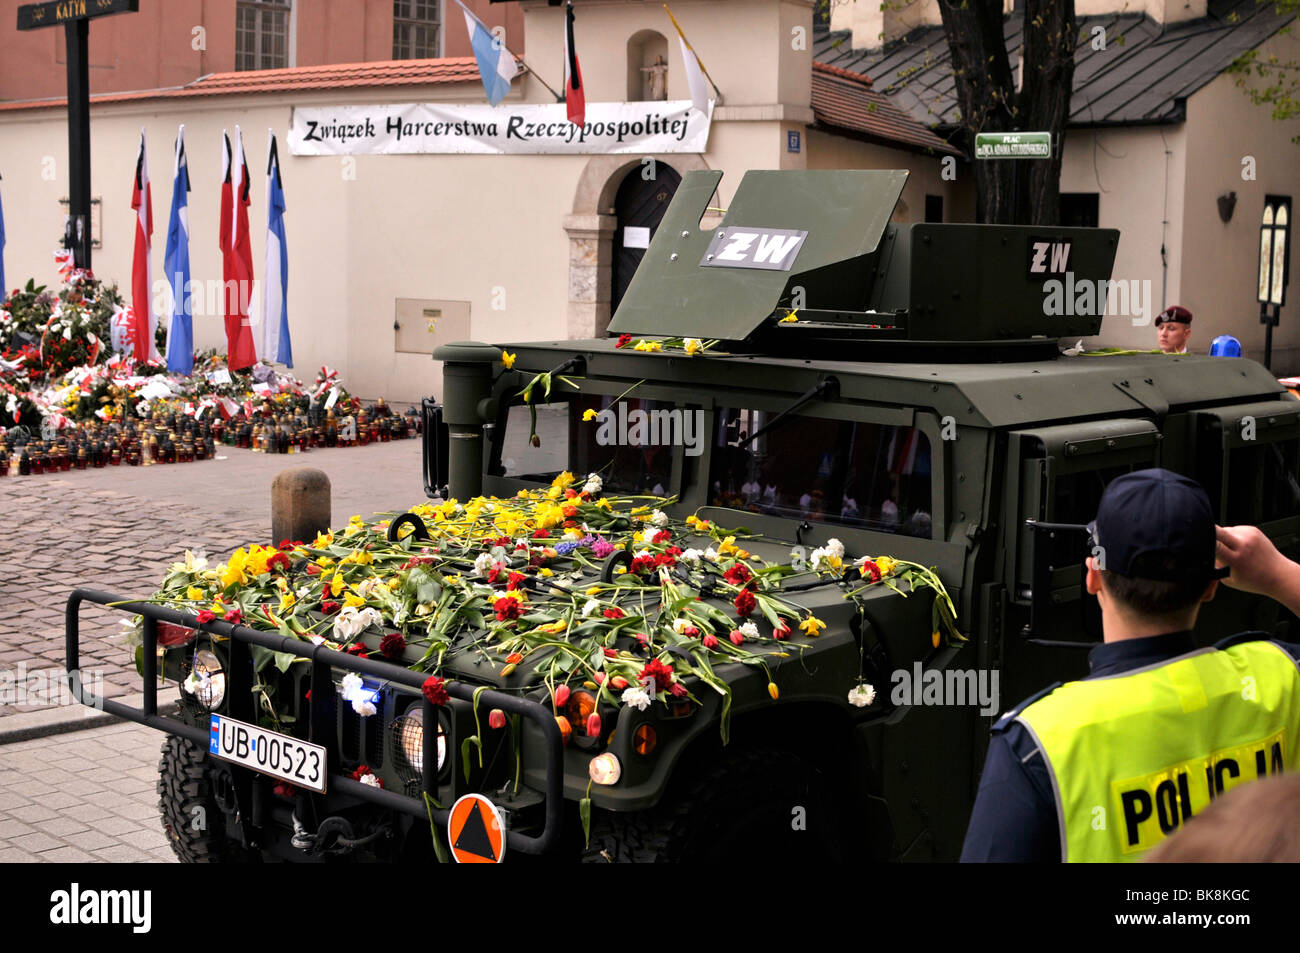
(591, 227)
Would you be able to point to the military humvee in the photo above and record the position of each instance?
(896, 387)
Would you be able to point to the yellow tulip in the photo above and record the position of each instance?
(508, 359)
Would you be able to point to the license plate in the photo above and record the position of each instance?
(269, 752)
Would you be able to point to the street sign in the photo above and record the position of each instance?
(34, 16)
(1013, 145)
(75, 17)
(476, 831)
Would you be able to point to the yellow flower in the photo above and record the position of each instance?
(451, 580)
(324, 562)
(588, 414)
(545, 572)
(812, 625)
(394, 583)
(233, 572)
(352, 599)
(886, 565)
(554, 627)
(692, 346)
(647, 346)
(604, 504)
(934, 638)
(773, 691)
(508, 359)
(728, 545)
(322, 540)
(337, 584)
(286, 601)
(194, 593)
(593, 590)
(516, 594)
(563, 480)
(791, 317)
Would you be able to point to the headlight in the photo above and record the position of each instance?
(408, 731)
(206, 681)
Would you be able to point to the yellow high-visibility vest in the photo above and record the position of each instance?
(1133, 756)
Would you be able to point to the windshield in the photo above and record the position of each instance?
(630, 445)
(872, 476)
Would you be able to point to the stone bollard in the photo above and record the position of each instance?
(300, 504)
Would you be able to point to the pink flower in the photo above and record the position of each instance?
(593, 725)
(677, 690)
(561, 695)
(497, 718)
(737, 638)
(782, 631)
(602, 548)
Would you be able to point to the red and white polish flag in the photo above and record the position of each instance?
(144, 321)
(575, 96)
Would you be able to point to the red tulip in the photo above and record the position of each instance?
(618, 682)
(497, 718)
(561, 696)
(593, 725)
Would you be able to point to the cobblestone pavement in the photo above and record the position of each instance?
(119, 529)
(81, 797)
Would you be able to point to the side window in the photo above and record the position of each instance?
(871, 476)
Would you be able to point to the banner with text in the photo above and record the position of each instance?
(610, 128)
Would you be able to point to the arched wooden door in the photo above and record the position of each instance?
(639, 205)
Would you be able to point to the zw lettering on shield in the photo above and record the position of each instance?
(771, 249)
(1049, 256)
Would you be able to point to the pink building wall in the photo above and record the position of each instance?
(156, 46)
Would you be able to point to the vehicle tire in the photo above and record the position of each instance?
(186, 794)
(744, 810)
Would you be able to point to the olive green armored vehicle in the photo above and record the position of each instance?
(825, 382)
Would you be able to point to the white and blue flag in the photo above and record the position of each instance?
(176, 263)
(275, 346)
(496, 64)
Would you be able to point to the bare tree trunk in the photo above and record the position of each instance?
(1013, 191)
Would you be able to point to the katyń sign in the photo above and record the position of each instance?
(1013, 145)
(632, 128)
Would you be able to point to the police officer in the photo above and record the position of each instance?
(1104, 768)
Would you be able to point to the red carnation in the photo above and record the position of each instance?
(745, 602)
(662, 536)
(206, 615)
(279, 559)
(782, 631)
(234, 615)
(738, 574)
(642, 564)
(514, 580)
(392, 645)
(540, 534)
(357, 648)
(507, 608)
(435, 690)
(677, 690)
(329, 608)
(614, 613)
(624, 340)
(869, 568)
(661, 673)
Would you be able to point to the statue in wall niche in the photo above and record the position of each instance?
(656, 80)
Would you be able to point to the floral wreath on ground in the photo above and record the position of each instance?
(519, 579)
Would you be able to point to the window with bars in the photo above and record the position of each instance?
(262, 34)
(415, 29)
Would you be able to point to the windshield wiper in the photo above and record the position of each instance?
(828, 388)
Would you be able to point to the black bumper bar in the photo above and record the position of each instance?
(321, 732)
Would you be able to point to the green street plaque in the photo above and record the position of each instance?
(1013, 145)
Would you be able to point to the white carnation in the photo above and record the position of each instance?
(369, 779)
(819, 556)
(591, 606)
(196, 682)
(692, 555)
(363, 707)
(659, 518)
(711, 554)
(835, 548)
(594, 483)
(749, 630)
(483, 563)
(862, 695)
(637, 698)
(352, 684)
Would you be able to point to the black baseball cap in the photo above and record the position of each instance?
(1155, 524)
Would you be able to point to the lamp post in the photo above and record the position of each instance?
(1274, 267)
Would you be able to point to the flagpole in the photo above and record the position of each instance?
(699, 61)
(558, 97)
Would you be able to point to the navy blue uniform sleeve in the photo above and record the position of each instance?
(1014, 817)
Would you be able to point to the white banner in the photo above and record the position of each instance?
(611, 128)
